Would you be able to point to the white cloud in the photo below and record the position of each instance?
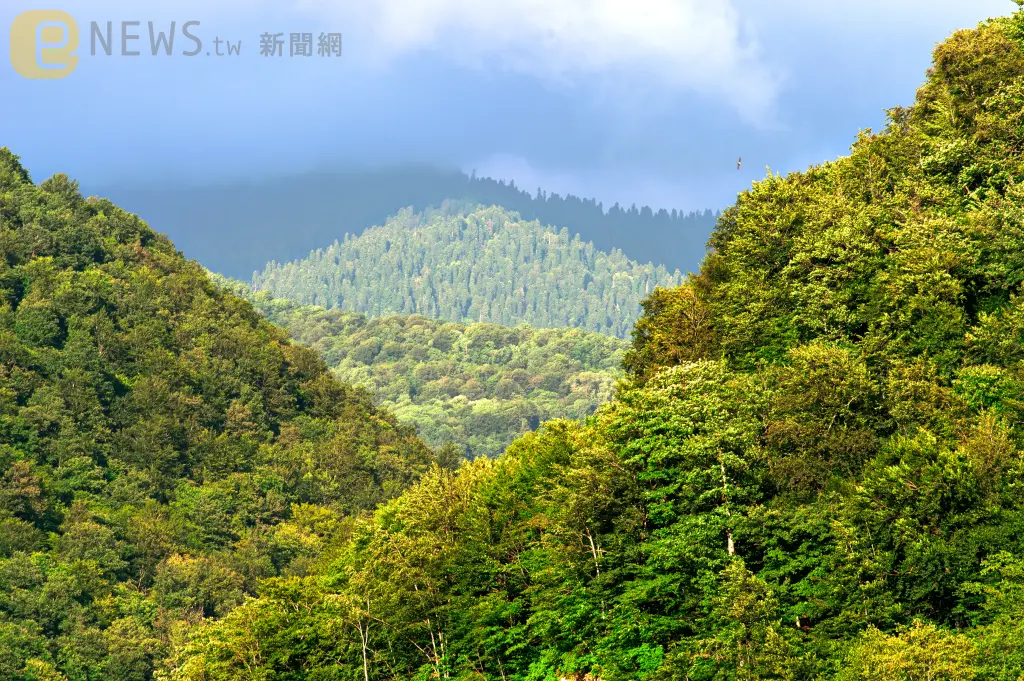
(699, 45)
(703, 46)
(707, 47)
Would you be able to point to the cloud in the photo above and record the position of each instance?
(698, 45)
(624, 53)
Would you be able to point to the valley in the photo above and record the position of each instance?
(476, 441)
(476, 387)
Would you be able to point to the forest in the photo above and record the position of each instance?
(465, 263)
(811, 469)
(163, 447)
(235, 228)
(476, 387)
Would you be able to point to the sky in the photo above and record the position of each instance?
(636, 101)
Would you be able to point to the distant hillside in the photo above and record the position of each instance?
(236, 228)
(479, 386)
(484, 266)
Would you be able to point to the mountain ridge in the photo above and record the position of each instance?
(285, 218)
(465, 263)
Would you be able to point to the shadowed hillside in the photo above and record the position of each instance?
(235, 229)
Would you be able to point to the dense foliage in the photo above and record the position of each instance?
(476, 386)
(162, 446)
(236, 228)
(484, 266)
(814, 472)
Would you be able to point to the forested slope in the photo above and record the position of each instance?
(162, 447)
(463, 263)
(236, 228)
(477, 386)
(815, 471)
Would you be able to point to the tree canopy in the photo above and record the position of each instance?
(163, 448)
(472, 386)
(812, 472)
(468, 264)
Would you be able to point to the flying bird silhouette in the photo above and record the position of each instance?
(739, 163)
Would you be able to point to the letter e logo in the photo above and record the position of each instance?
(43, 43)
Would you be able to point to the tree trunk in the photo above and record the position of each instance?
(725, 499)
(593, 551)
(364, 634)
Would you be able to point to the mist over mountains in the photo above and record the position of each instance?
(237, 228)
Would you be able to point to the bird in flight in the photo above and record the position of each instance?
(739, 163)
